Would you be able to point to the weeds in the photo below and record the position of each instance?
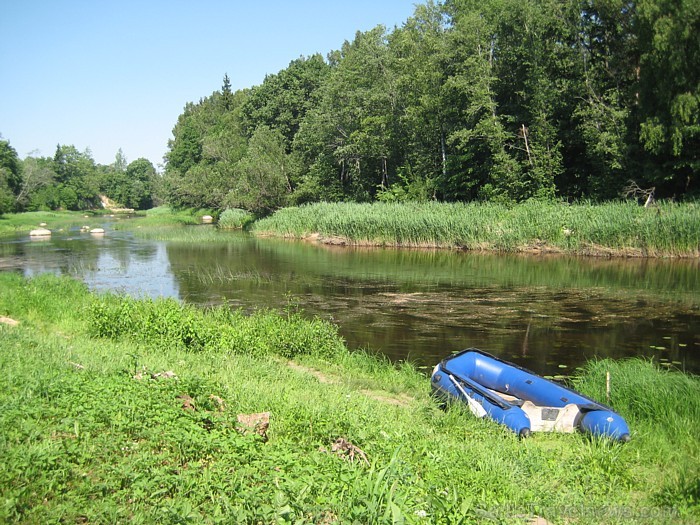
(91, 431)
(169, 323)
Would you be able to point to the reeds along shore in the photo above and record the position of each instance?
(613, 229)
(117, 409)
(624, 229)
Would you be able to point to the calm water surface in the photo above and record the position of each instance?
(549, 314)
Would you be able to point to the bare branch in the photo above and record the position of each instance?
(632, 190)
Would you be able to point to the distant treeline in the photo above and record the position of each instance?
(71, 180)
(497, 100)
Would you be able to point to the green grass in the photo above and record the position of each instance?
(168, 224)
(12, 223)
(165, 217)
(91, 434)
(612, 229)
(622, 228)
(234, 219)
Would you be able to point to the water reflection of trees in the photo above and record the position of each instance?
(62, 253)
(542, 312)
(277, 260)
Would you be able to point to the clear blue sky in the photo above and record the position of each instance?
(110, 74)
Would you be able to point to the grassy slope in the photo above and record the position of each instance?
(85, 442)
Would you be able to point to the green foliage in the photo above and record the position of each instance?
(208, 142)
(93, 429)
(234, 218)
(282, 101)
(169, 323)
(669, 87)
(130, 185)
(493, 100)
(71, 180)
(10, 177)
(38, 185)
(76, 175)
(262, 184)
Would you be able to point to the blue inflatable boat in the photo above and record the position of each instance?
(521, 400)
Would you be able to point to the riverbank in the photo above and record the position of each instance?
(613, 229)
(119, 409)
(12, 223)
(161, 217)
(616, 229)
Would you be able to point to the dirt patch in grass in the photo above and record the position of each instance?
(8, 321)
(322, 378)
(401, 400)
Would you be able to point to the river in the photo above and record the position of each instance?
(547, 313)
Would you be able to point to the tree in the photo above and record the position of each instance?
(120, 162)
(140, 175)
(77, 178)
(10, 177)
(263, 183)
(283, 100)
(186, 146)
(483, 165)
(208, 142)
(37, 174)
(599, 144)
(419, 53)
(470, 99)
(669, 90)
(347, 141)
(226, 95)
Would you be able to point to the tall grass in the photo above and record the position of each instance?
(234, 219)
(90, 432)
(169, 323)
(670, 229)
(664, 407)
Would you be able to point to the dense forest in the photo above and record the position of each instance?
(469, 100)
(71, 180)
(493, 100)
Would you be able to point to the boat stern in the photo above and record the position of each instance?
(605, 423)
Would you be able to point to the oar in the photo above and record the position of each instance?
(475, 407)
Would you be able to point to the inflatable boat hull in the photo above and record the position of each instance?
(522, 400)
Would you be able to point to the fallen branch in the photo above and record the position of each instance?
(632, 190)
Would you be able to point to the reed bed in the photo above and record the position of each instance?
(235, 219)
(621, 228)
